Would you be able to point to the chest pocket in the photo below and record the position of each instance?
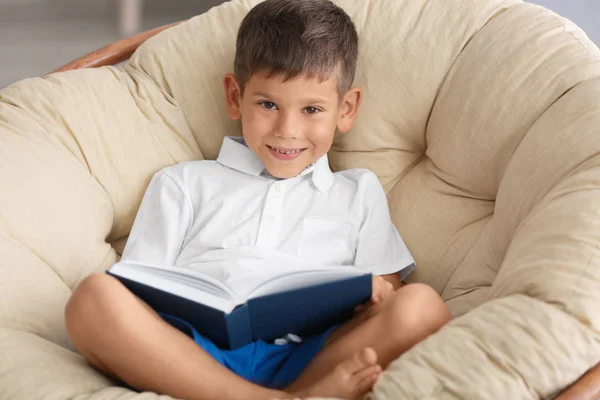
(325, 242)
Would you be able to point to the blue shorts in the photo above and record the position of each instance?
(268, 365)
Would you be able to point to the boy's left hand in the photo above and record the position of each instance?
(381, 290)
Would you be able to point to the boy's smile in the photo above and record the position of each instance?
(289, 124)
(285, 154)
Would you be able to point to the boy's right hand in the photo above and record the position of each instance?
(382, 288)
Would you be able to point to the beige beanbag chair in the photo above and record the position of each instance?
(481, 118)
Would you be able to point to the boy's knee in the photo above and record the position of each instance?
(91, 295)
(419, 307)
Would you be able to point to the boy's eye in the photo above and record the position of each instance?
(269, 105)
(312, 110)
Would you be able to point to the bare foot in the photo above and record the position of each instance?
(350, 379)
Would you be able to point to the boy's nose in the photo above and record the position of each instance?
(287, 127)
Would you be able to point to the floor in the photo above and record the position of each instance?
(37, 36)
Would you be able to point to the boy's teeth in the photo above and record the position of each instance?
(287, 151)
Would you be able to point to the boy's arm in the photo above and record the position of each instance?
(394, 279)
(161, 224)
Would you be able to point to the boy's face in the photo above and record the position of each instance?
(291, 124)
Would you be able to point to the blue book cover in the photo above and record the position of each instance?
(307, 311)
(304, 311)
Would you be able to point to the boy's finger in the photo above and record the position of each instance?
(362, 307)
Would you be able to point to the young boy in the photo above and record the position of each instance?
(270, 198)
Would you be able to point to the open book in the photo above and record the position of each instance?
(298, 300)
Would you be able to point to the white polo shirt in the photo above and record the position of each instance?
(232, 220)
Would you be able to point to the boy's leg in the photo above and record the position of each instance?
(122, 336)
(414, 312)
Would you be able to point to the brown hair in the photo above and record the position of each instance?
(314, 38)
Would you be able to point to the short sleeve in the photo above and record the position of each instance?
(161, 224)
(380, 248)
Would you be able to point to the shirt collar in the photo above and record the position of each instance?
(235, 154)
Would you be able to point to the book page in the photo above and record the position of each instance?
(184, 282)
(301, 278)
(240, 279)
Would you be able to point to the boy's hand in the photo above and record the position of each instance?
(381, 290)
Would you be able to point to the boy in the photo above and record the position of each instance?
(269, 198)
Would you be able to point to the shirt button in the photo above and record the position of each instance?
(276, 188)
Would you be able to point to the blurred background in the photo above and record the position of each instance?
(37, 36)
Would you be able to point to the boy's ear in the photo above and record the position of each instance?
(349, 109)
(233, 96)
